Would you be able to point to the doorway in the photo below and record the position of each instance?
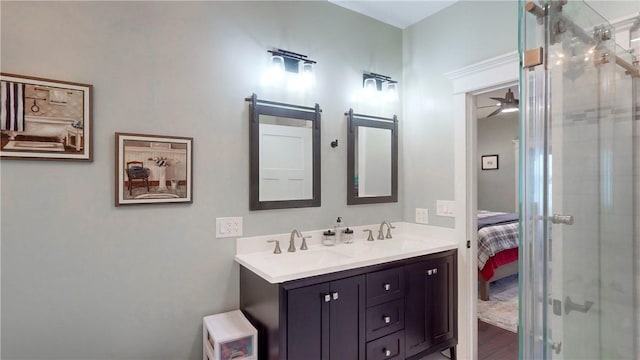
(497, 158)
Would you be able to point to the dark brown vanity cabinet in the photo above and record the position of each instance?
(387, 311)
(431, 299)
(324, 321)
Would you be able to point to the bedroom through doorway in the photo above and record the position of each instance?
(497, 156)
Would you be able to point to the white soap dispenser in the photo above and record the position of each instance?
(338, 229)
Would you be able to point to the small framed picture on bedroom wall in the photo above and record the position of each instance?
(489, 162)
(153, 169)
(45, 119)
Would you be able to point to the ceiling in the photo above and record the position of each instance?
(400, 14)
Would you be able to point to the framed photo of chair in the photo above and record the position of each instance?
(153, 169)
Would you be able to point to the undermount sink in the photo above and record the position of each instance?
(319, 257)
(353, 249)
(385, 246)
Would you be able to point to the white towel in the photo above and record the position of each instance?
(58, 97)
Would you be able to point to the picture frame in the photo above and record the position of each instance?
(490, 162)
(153, 169)
(44, 119)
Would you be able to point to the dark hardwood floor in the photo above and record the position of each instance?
(495, 343)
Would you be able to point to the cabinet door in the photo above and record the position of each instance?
(415, 305)
(347, 320)
(307, 323)
(430, 304)
(441, 299)
(326, 321)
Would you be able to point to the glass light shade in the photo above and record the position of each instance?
(306, 68)
(274, 73)
(512, 108)
(277, 63)
(370, 84)
(306, 78)
(392, 91)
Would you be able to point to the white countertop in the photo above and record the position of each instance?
(409, 240)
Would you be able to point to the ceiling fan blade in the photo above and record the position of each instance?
(487, 106)
(498, 99)
(495, 112)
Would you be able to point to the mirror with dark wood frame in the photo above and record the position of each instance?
(284, 150)
(372, 159)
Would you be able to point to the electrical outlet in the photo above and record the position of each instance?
(228, 227)
(445, 208)
(422, 216)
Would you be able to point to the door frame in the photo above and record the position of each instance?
(488, 75)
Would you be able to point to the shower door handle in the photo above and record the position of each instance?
(571, 306)
(562, 219)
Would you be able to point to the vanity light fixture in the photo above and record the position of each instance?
(299, 67)
(377, 85)
(293, 62)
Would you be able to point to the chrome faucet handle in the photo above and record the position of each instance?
(370, 237)
(389, 227)
(292, 244)
(304, 243)
(277, 249)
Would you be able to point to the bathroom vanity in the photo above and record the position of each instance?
(390, 299)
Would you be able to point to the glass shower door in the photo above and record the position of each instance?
(577, 264)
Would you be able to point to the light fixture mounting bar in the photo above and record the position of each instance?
(379, 79)
(292, 55)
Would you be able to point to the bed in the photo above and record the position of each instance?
(497, 248)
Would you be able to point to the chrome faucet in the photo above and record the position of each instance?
(389, 227)
(292, 244)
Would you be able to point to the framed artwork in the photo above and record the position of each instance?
(153, 169)
(42, 119)
(489, 162)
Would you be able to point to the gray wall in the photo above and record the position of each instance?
(82, 279)
(496, 188)
(447, 41)
(433, 47)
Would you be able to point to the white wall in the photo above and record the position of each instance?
(497, 188)
(82, 279)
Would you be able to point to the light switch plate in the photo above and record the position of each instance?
(422, 216)
(445, 208)
(228, 227)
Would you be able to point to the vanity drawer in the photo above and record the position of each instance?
(385, 285)
(384, 319)
(388, 347)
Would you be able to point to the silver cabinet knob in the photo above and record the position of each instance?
(387, 287)
(387, 352)
(327, 298)
(387, 319)
(335, 296)
(429, 272)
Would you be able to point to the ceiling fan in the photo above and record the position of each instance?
(507, 104)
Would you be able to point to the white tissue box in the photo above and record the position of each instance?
(229, 336)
